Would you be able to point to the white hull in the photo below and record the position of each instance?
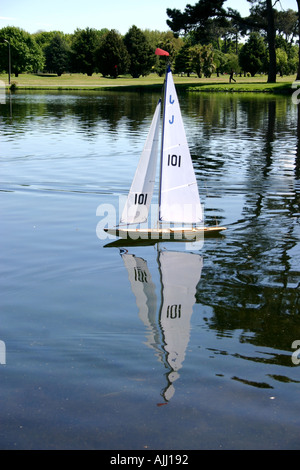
(180, 233)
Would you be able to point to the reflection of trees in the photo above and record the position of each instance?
(254, 284)
(87, 110)
(297, 160)
(268, 149)
(222, 117)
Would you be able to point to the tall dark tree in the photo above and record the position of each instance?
(84, 44)
(252, 57)
(286, 23)
(271, 34)
(112, 57)
(168, 42)
(204, 19)
(183, 62)
(26, 55)
(142, 56)
(57, 54)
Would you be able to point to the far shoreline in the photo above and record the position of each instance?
(96, 82)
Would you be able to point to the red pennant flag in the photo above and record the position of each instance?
(161, 52)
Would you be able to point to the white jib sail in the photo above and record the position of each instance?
(139, 198)
(179, 196)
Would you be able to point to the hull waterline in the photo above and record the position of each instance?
(164, 233)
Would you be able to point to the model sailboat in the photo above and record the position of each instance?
(178, 199)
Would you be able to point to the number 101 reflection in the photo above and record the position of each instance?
(167, 319)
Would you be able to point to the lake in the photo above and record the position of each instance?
(155, 347)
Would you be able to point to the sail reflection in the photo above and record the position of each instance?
(167, 319)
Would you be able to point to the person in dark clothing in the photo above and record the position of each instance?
(231, 77)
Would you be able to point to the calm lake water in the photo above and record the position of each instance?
(150, 347)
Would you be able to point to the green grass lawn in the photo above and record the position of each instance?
(214, 83)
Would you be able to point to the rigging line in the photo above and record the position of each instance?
(170, 147)
(178, 187)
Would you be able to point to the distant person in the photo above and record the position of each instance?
(231, 77)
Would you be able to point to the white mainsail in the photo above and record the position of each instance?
(179, 196)
(139, 198)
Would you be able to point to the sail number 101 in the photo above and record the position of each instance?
(174, 160)
(140, 199)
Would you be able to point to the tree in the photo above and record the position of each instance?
(26, 55)
(84, 45)
(271, 33)
(293, 60)
(286, 23)
(208, 60)
(298, 72)
(153, 37)
(231, 63)
(199, 17)
(111, 56)
(183, 62)
(252, 57)
(281, 61)
(57, 54)
(142, 56)
(43, 38)
(286, 56)
(171, 44)
(202, 60)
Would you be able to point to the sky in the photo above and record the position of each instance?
(68, 15)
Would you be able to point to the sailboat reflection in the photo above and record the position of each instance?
(169, 328)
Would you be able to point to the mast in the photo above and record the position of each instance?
(161, 52)
(162, 143)
(179, 195)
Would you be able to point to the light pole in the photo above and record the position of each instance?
(9, 61)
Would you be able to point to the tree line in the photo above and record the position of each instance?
(208, 18)
(203, 39)
(85, 51)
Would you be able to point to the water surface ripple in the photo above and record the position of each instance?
(87, 357)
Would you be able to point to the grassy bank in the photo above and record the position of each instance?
(274, 88)
(193, 83)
